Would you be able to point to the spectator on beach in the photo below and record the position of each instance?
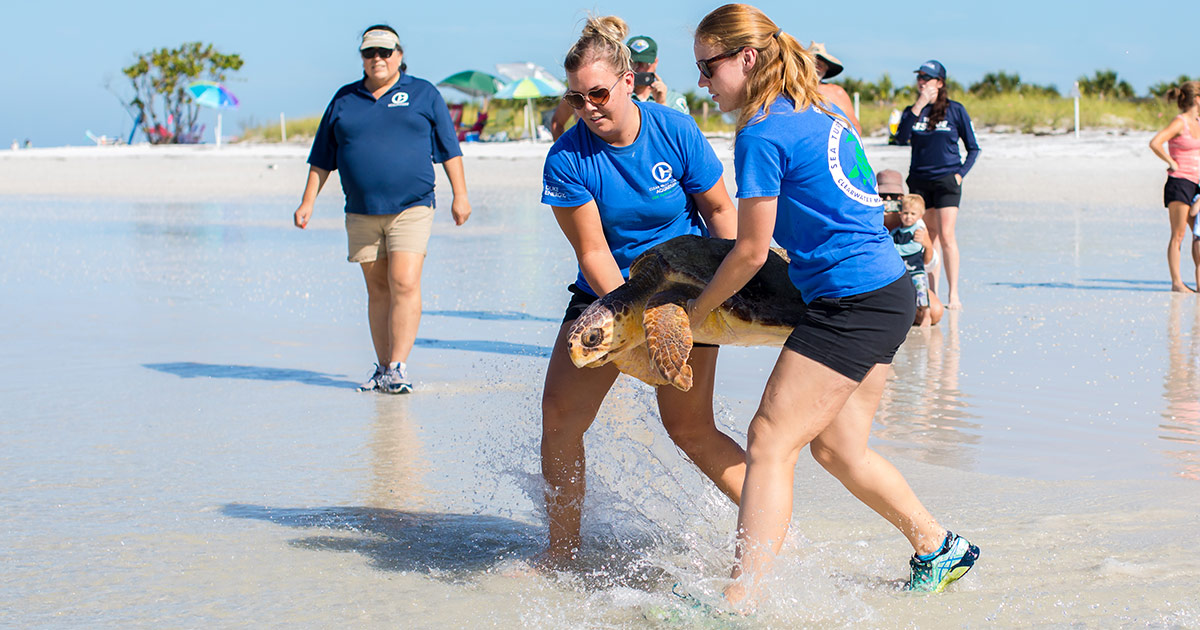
(890, 184)
(933, 125)
(912, 242)
(629, 176)
(828, 67)
(1182, 156)
(816, 198)
(648, 86)
(383, 133)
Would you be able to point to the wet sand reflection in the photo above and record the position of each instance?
(923, 414)
(397, 457)
(1181, 388)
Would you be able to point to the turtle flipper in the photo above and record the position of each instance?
(636, 362)
(669, 340)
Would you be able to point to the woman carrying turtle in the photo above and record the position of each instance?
(633, 175)
(802, 179)
(1182, 156)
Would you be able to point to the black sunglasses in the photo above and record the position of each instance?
(382, 53)
(705, 65)
(598, 96)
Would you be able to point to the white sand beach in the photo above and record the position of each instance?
(181, 443)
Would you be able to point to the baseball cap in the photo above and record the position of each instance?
(889, 182)
(933, 68)
(379, 38)
(642, 49)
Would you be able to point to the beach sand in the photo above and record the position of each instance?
(182, 444)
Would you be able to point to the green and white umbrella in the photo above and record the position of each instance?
(529, 88)
(473, 83)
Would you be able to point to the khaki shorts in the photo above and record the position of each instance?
(373, 236)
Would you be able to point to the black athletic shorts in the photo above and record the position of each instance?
(941, 192)
(581, 299)
(1179, 189)
(851, 334)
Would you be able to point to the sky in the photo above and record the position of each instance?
(62, 65)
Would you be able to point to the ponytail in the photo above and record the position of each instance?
(1184, 94)
(784, 67)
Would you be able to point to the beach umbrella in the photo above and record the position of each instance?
(520, 70)
(473, 83)
(529, 88)
(214, 95)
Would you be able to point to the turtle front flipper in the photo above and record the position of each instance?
(669, 337)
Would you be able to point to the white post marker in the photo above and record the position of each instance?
(1075, 95)
(282, 128)
(218, 129)
(856, 116)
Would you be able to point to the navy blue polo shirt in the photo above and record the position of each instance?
(384, 149)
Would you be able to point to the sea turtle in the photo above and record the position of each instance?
(642, 326)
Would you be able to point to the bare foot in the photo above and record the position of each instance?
(954, 304)
(1181, 288)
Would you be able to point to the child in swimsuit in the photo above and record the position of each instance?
(912, 242)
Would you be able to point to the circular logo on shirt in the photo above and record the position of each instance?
(661, 172)
(849, 167)
(399, 99)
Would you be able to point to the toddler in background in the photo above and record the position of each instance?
(912, 241)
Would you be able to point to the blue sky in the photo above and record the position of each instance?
(59, 56)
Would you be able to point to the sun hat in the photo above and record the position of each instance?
(933, 68)
(379, 38)
(889, 182)
(642, 49)
(835, 66)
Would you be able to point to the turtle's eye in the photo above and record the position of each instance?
(592, 337)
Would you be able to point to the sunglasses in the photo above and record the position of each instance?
(705, 65)
(382, 53)
(597, 97)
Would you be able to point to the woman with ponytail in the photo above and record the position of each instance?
(803, 180)
(1183, 174)
(630, 176)
(934, 125)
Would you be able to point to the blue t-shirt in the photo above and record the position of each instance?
(384, 149)
(829, 216)
(643, 191)
(935, 151)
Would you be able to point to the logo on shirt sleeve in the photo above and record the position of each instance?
(849, 167)
(399, 99)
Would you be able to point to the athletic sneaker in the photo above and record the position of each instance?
(394, 380)
(952, 561)
(372, 383)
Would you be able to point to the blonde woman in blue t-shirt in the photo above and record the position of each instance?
(631, 176)
(803, 180)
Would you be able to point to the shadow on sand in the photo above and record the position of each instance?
(188, 369)
(451, 546)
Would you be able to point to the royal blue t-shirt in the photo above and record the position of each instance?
(643, 190)
(935, 151)
(384, 149)
(829, 216)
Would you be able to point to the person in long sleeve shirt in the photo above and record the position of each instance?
(934, 125)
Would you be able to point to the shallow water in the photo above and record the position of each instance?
(181, 443)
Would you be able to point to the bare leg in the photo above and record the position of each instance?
(1178, 212)
(570, 400)
(688, 418)
(801, 398)
(935, 308)
(404, 315)
(932, 226)
(842, 450)
(947, 218)
(379, 305)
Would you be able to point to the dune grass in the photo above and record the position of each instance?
(1007, 112)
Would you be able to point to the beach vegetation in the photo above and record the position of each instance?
(1159, 90)
(1105, 84)
(160, 78)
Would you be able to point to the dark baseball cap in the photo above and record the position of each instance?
(932, 68)
(642, 49)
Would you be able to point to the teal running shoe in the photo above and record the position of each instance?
(372, 383)
(395, 381)
(952, 561)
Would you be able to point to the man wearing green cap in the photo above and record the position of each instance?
(643, 51)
